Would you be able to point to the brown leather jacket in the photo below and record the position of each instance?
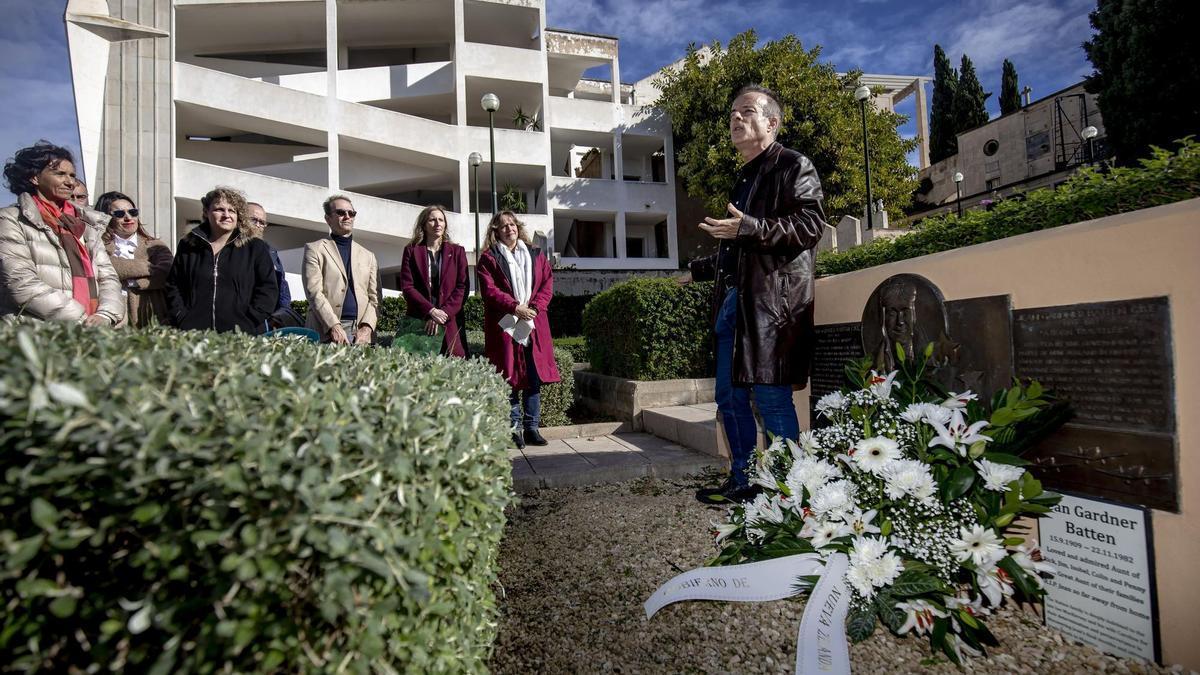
(774, 249)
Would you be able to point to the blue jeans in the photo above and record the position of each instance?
(774, 401)
(530, 398)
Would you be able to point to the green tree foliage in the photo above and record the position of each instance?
(1010, 89)
(943, 140)
(970, 101)
(1145, 81)
(820, 119)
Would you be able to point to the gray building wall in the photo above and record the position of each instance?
(136, 147)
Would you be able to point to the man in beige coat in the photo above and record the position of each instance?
(341, 280)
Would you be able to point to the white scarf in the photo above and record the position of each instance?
(520, 268)
(125, 248)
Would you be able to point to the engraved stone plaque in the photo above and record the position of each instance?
(1127, 466)
(982, 358)
(1111, 360)
(834, 345)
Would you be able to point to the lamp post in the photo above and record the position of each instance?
(863, 94)
(475, 159)
(491, 103)
(1089, 132)
(958, 179)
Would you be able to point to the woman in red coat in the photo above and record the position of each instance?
(517, 285)
(433, 279)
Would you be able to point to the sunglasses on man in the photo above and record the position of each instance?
(346, 212)
(120, 213)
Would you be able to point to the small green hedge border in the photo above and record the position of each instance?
(651, 329)
(577, 347)
(565, 313)
(1163, 178)
(181, 502)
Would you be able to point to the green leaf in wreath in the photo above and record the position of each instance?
(860, 623)
(892, 617)
(910, 584)
(960, 481)
(1005, 458)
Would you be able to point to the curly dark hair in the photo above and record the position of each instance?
(29, 162)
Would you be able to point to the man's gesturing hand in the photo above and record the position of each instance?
(726, 228)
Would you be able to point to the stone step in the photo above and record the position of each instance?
(692, 426)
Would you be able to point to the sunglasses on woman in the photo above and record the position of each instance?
(120, 213)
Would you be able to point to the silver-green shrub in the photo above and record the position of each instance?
(196, 503)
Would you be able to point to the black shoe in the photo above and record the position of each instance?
(532, 437)
(518, 441)
(728, 493)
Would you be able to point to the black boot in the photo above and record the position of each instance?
(532, 437)
(518, 441)
(728, 493)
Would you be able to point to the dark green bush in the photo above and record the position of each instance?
(558, 397)
(566, 314)
(577, 346)
(1162, 179)
(650, 329)
(182, 502)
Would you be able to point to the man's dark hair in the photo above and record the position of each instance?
(773, 108)
(29, 162)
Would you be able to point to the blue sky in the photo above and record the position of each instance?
(1041, 37)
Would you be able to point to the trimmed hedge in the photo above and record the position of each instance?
(200, 503)
(558, 398)
(577, 346)
(565, 313)
(651, 329)
(1163, 178)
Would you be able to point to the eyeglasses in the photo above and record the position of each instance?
(120, 213)
(345, 212)
(258, 221)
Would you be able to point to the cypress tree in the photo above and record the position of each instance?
(942, 140)
(1010, 89)
(970, 107)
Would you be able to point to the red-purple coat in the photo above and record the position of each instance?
(495, 282)
(414, 284)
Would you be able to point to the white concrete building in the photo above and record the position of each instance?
(292, 100)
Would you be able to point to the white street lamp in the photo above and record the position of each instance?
(958, 179)
(862, 95)
(491, 103)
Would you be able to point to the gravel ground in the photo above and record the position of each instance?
(577, 564)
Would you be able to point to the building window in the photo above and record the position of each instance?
(992, 183)
(991, 147)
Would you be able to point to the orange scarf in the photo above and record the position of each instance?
(65, 222)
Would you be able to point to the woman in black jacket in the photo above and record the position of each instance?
(222, 278)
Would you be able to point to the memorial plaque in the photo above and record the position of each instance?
(1103, 592)
(982, 358)
(1111, 360)
(834, 345)
(1133, 467)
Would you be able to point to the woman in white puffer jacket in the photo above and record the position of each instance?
(53, 265)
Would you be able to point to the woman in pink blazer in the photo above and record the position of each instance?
(517, 285)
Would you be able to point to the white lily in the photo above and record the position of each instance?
(959, 400)
(723, 530)
(994, 583)
(859, 522)
(1029, 557)
(881, 385)
(920, 616)
(956, 435)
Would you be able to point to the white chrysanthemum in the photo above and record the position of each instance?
(811, 474)
(885, 570)
(833, 401)
(979, 544)
(808, 443)
(935, 413)
(833, 500)
(764, 508)
(909, 477)
(872, 565)
(881, 386)
(867, 550)
(858, 577)
(998, 476)
(913, 414)
(873, 454)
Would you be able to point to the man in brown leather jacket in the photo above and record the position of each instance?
(763, 295)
